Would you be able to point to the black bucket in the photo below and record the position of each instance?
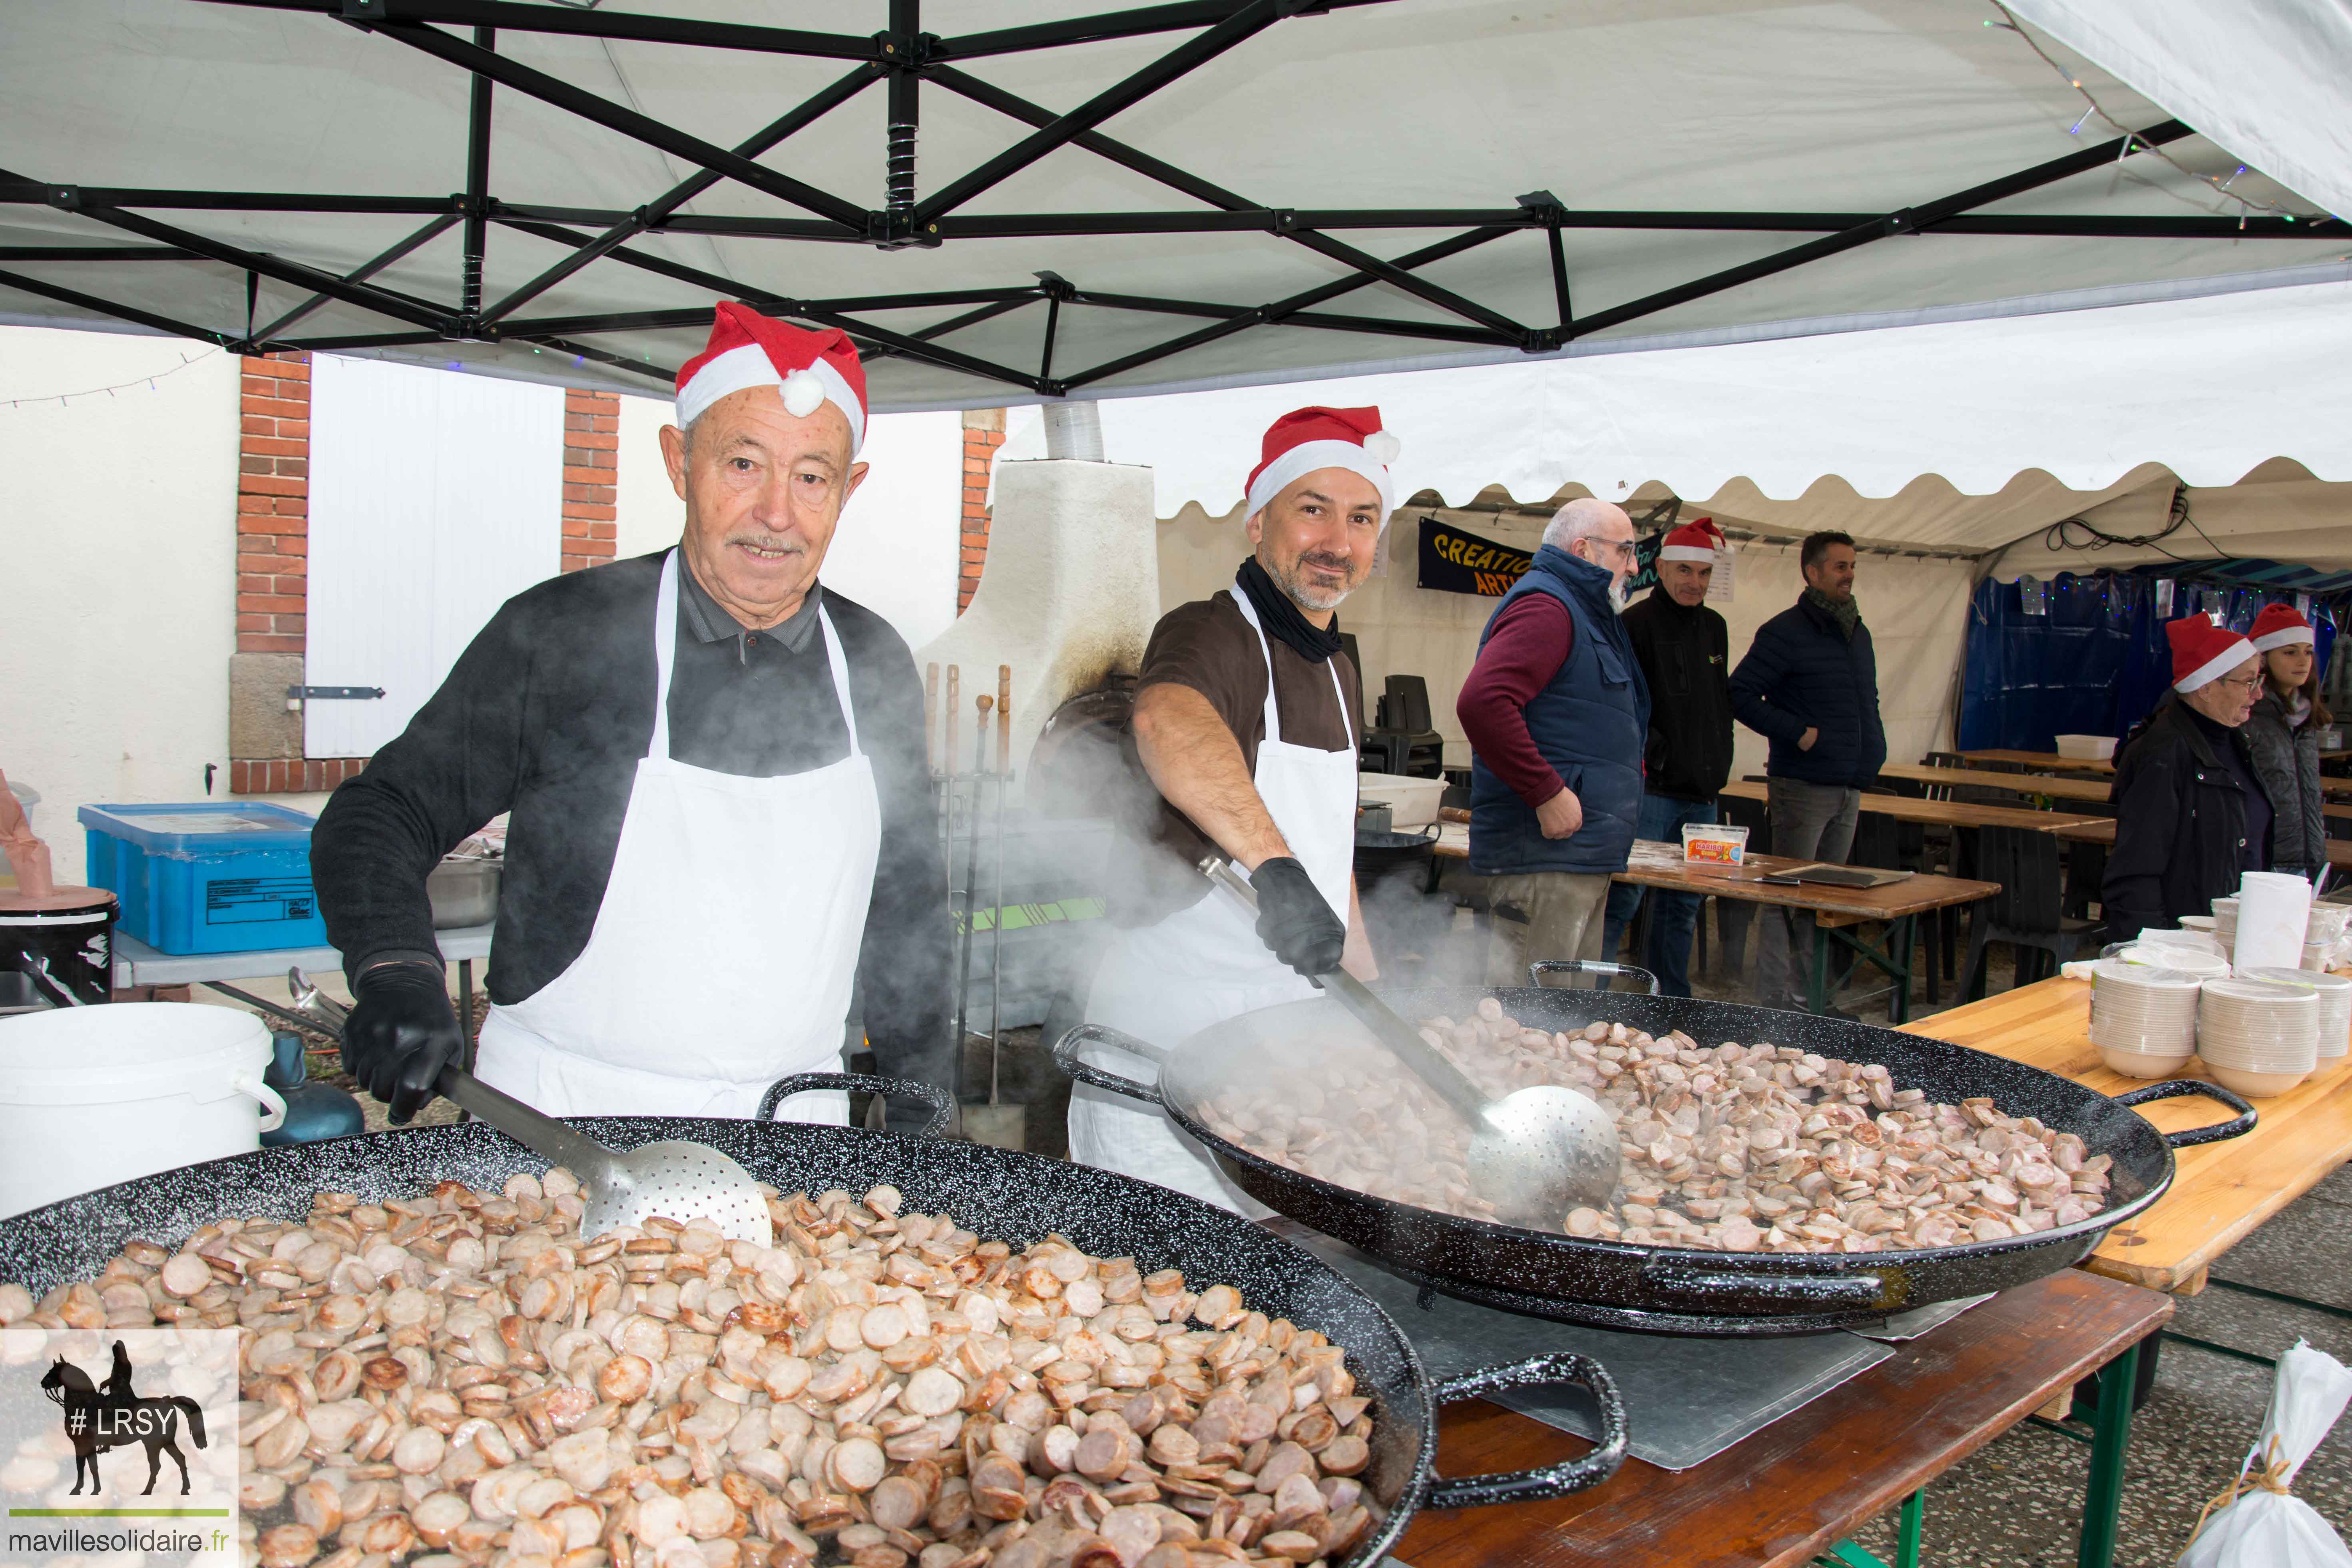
(58, 958)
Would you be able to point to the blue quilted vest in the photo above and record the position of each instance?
(1590, 724)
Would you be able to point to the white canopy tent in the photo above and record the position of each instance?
(1013, 199)
(1951, 449)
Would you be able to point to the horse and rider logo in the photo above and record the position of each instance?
(114, 1417)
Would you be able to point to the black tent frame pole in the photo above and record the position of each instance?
(653, 213)
(433, 230)
(627, 121)
(478, 181)
(163, 324)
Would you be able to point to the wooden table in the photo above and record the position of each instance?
(2081, 789)
(1795, 1489)
(2050, 760)
(1835, 911)
(1940, 812)
(2102, 830)
(2223, 1190)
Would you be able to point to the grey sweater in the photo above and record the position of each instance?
(2287, 760)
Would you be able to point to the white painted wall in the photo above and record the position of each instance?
(118, 546)
(897, 550)
(434, 499)
(651, 515)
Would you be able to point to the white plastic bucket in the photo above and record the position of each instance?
(93, 1096)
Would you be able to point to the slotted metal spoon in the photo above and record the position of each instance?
(1535, 1153)
(675, 1179)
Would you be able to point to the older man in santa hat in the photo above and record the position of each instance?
(721, 822)
(2191, 815)
(1685, 651)
(1246, 723)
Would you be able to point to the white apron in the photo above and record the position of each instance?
(724, 951)
(1203, 964)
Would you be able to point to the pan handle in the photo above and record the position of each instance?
(1065, 1056)
(1547, 1480)
(1803, 1292)
(784, 1088)
(1541, 967)
(2237, 1126)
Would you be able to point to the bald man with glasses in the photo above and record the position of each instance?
(1557, 714)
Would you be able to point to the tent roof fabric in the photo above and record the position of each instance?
(2045, 415)
(1007, 200)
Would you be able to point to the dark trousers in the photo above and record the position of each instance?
(1673, 916)
(1810, 822)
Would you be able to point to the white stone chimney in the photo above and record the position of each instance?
(1071, 588)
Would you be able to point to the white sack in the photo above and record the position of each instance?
(2266, 1528)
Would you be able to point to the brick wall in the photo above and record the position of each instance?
(273, 503)
(300, 775)
(592, 445)
(983, 433)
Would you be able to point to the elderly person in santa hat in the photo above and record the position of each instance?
(1685, 650)
(721, 820)
(2191, 815)
(2284, 735)
(1246, 723)
(1557, 712)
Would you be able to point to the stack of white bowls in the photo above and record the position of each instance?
(2143, 1019)
(2335, 995)
(2258, 1037)
(2225, 924)
(2194, 961)
(2324, 934)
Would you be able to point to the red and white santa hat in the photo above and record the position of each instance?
(1306, 439)
(2203, 653)
(2280, 627)
(1696, 542)
(747, 349)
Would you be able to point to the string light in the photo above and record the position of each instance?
(146, 381)
(2132, 141)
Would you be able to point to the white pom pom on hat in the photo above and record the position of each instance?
(1382, 447)
(802, 393)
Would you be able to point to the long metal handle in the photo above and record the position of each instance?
(1550, 1480)
(315, 1005)
(1400, 1038)
(535, 1130)
(1543, 967)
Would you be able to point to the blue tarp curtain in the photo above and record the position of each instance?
(2096, 662)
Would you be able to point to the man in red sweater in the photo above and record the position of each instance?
(1557, 713)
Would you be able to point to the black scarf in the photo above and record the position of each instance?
(1283, 621)
(1845, 612)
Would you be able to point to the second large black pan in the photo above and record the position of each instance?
(1668, 1290)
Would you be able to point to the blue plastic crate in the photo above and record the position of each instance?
(207, 877)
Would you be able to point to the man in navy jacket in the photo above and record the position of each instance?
(1557, 713)
(1810, 685)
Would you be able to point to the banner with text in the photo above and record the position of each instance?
(1454, 562)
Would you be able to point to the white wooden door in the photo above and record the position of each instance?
(434, 498)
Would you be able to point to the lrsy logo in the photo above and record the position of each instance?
(114, 1417)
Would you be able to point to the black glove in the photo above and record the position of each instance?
(1293, 920)
(401, 1033)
